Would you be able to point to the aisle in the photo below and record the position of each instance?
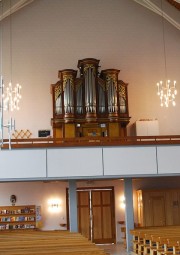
(115, 249)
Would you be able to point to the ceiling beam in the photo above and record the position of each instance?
(153, 7)
(16, 6)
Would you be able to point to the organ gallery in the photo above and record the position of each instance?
(92, 103)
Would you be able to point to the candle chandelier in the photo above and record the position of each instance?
(9, 96)
(9, 101)
(166, 90)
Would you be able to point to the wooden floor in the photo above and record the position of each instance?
(34, 242)
(115, 249)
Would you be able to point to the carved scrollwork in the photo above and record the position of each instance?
(89, 66)
(67, 78)
(57, 91)
(122, 92)
(111, 78)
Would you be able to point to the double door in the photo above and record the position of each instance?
(96, 219)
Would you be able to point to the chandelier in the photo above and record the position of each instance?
(9, 96)
(9, 101)
(166, 90)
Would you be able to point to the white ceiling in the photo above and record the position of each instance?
(153, 6)
(10, 6)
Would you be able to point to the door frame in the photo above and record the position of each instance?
(90, 188)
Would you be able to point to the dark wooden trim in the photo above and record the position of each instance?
(92, 141)
(174, 3)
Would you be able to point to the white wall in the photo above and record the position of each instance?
(37, 193)
(48, 36)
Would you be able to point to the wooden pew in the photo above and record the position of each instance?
(46, 242)
(153, 240)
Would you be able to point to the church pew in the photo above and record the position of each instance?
(46, 242)
(152, 240)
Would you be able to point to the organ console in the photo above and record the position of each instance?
(93, 104)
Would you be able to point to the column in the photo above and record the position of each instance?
(129, 215)
(73, 225)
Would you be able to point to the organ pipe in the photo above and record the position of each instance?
(92, 97)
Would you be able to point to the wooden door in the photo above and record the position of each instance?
(173, 207)
(83, 200)
(158, 207)
(176, 207)
(158, 211)
(154, 209)
(103, 227)
(96, 219)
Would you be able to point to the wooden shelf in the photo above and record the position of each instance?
(17, 217)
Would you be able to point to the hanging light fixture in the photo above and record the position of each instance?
(166, 90)
(9, 97)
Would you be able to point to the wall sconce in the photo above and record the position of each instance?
(54, 205)
(122, 202)
(139, 200)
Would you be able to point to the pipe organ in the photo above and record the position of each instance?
(93, 104)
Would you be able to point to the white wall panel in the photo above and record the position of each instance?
(23, 163)
(130, 160)
(74, 162)
(168, 159)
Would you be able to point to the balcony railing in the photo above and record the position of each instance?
(92, 141)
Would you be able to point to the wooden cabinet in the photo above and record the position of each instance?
(19, 217)
(158, 207)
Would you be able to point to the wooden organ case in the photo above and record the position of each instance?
(94, 104)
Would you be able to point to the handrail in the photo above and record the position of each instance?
(92, 141)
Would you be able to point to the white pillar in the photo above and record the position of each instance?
(129, 215)
(73, 224)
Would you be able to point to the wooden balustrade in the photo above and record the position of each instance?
(92, 141)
